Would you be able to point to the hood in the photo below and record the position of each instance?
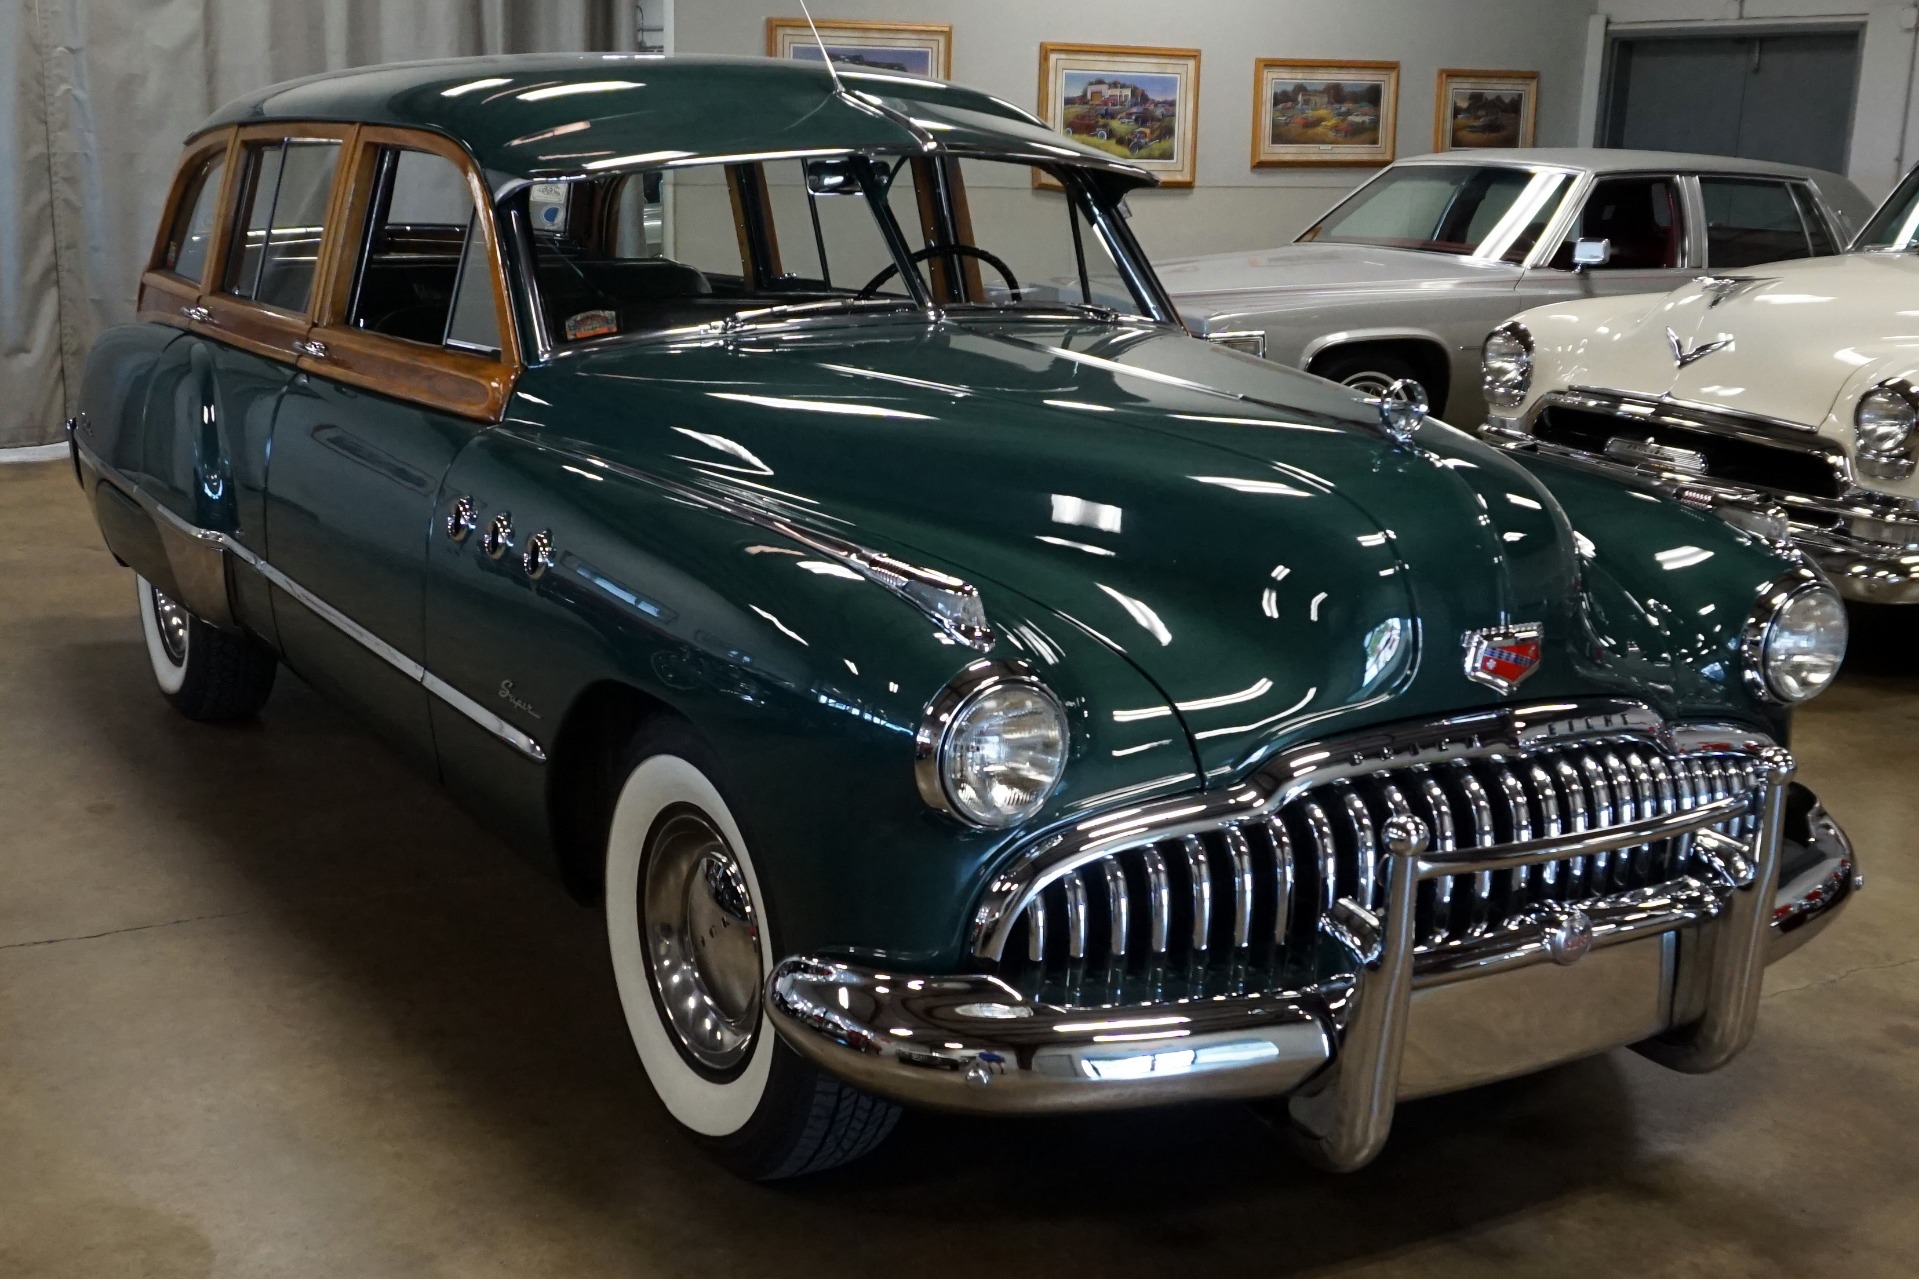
(1310, 266)
(1795, 334)
(1260, 551)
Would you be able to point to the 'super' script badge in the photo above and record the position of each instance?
(1502, 657)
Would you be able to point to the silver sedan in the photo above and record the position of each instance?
(1406, 276)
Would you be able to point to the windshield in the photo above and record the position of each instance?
(675, 248)
(1895, 227)
(1482, 211)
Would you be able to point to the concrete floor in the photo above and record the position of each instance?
(270, 1005)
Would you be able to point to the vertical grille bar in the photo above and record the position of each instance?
(1282, 879)
(1325, 852)
(1625, 808)
(1367, 850)
(1200, 875)
(1600, 818)
(1119, 907)
(1521, 813)
(1077, 916)
(1445, 839)
(1036, 930)
(1242, 855)
(1483, 837)
(1649, 806)
(1159, 901)
(1549, 817)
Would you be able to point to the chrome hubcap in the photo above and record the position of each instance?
(702, 941)
(1376, 384)
(172, 620)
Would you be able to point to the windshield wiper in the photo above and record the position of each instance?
(800, 310)
(1091, 310)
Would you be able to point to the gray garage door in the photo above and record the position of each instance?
(1779, 97)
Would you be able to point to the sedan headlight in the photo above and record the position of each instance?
(992, 747)
(1506, 369)
(1883, 425)
(1796, 639)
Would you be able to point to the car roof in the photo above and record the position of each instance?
(1617, 160)
(527, 117)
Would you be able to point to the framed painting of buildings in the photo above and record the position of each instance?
(1478, 109)
(1324, 113)
(1138, 104)
(923, 49)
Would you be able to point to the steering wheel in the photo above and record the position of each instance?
(941, 250)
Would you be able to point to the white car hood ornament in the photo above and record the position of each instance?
(1683, 355)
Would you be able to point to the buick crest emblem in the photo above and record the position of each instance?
(1502, 657)
(1683, 355)
(1569, 935)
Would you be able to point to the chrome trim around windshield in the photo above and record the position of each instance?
(399, 661)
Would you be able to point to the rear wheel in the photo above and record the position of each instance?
(207, 674)
(691, 943)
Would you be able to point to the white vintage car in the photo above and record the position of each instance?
(1785, 396)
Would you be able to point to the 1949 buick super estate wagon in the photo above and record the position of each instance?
(958, 693)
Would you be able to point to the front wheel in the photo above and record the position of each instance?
(205, 673)
(1369, 371)
(691, 942)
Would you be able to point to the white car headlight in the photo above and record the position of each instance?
(1506, 368)
(1796, 639)
(992, 747)
(1883, 425)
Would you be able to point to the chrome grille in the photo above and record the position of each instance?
(1236, 907)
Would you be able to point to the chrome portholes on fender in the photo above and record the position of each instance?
(538, 556)
(702, 941)
(462, 517)
(497, 540)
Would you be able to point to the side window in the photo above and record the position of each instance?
(186, 251)
(1639, 216)
(283, 203)
(1749, 221)
(1816, 232)
(424, 272)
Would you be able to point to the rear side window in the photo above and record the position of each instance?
(283, 203)
(186, 253)
(424, 272)
(1638, 217)
(1749, 221)
(1816, 232)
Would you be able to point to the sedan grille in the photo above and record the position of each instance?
(1237, 908)
(1745, 462)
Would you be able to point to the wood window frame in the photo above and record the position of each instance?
(257, 327)
(464, 383)
(166, 297)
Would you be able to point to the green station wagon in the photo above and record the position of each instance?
(959, 692)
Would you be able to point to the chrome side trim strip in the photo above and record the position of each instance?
(392, 656)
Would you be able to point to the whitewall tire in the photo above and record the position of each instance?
(206, 674)
(691, 939)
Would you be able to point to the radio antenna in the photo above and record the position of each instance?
(824, 55)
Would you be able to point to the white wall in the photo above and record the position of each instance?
(1885, 130)
(1233, 206)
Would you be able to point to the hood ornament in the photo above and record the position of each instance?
(1718, 288)
(1402, 408)
(1502, 657)
(1683, 355)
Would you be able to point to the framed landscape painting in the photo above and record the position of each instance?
(1138, 104)
(923, 49)
(1324, 112)
(1479, 109)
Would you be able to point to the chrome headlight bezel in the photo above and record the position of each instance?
(1885, 429)
(1506, 375)
(1784, 599)
(935, 765)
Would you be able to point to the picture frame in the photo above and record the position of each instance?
(920, 49)
(1322, 112)
(1138, 103)
(1485, 110)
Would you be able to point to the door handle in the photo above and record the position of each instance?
(311, 347)
(197, 314)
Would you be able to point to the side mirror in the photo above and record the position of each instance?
(833, 175)
(1591, 253)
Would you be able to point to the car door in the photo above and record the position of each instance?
(403, 365)
(1643, 217)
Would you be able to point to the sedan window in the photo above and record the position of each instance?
(186, 252)
(424, 275)
(1637, 216)
(283, 206)
(1484, 211)
(1749, 221)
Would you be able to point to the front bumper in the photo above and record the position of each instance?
(1679, 977)
(1866, 542)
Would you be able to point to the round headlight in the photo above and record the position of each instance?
(1506, 369)
(1799, 634)
(997, 749)
(1884, 420)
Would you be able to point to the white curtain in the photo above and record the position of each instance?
(95, 99)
